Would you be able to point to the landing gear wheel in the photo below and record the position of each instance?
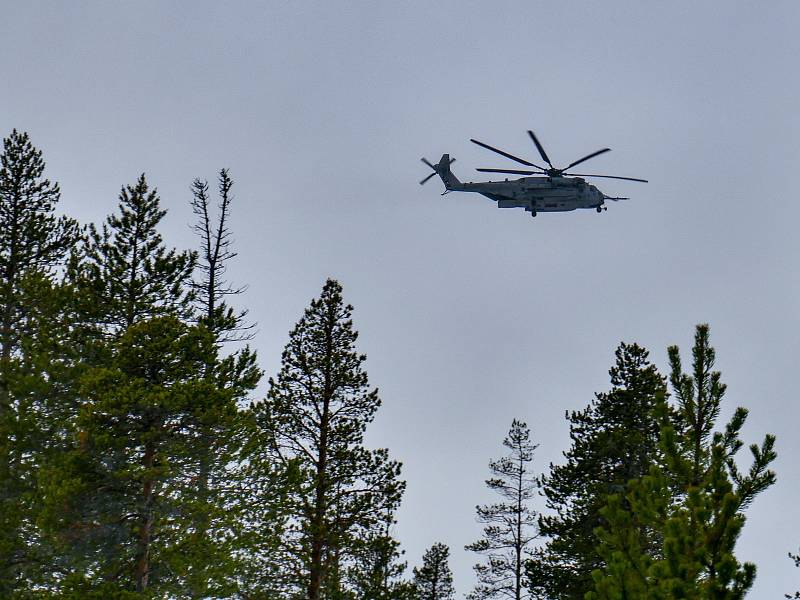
(599, 209)
(533, 213)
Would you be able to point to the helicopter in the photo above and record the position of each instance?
(557, 191)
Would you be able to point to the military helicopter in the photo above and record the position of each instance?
(557, 191)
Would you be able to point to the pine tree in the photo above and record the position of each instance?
(128, 273)
(376, 571)
(33, 244)
(694, 498)
(215, 253)
(133, 288)
(222, 442)
(32, 238)
(125, 494)
(315, 415)
(510, 524)
(614, 440)
(434, 580)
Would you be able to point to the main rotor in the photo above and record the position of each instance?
(551, 171)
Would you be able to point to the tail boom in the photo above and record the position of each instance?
(451, 182)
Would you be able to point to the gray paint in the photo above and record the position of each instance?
(470, 316)
(534, 194)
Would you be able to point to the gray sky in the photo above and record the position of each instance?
(470, 315)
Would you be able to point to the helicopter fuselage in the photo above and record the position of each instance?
(538, 194)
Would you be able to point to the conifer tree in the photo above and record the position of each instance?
(32, 238)
(510, 524)
(129, 273)
(33, 244)
(376, 571)
(315, 415)
(434, 580)
(614, 440)
(222, 442)
(125, 495)
(694, 498)
(215, 253)
(129, 281)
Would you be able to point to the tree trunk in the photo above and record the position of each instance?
(318, 533)
(142, 568)
(518, 543)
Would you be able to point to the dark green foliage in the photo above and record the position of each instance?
(315, 416)
(693, 498)
(125, 496)
(224, 473)
(375, 573)
(33, 244)
(510, 524)
(32, 238)
(128, 281)
(128, 272)
(434, 580)
(130, 470)
(614, 440)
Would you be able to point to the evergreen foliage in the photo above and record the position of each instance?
(144, 502)
(129, 273)
(33, 245)
(434, 580)
(376, 572)
(126, 495)
(510, 524)
(131, 469)
(223, 464)
(693, 498)
(614, 440)
(315, 414)
(32, 239)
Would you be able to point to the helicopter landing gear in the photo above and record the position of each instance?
(533, 213)
(599, 209)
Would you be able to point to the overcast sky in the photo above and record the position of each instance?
(471, 316)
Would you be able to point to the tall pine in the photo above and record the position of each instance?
(212, 287)
(315, 414)
(693, 498)
(130, 273)
(510, 525)
(124, 500)
(220, 511)
(34, 243)
(614, 440)
(125, 496)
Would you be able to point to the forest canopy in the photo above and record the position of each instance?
(136, 461)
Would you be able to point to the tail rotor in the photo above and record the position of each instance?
(434, 167)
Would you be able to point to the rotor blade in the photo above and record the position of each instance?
(512, 171)
(540, 148)
(427, 162)
(426, 179)
(506, 154)
(605, 176)
(587, 157)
